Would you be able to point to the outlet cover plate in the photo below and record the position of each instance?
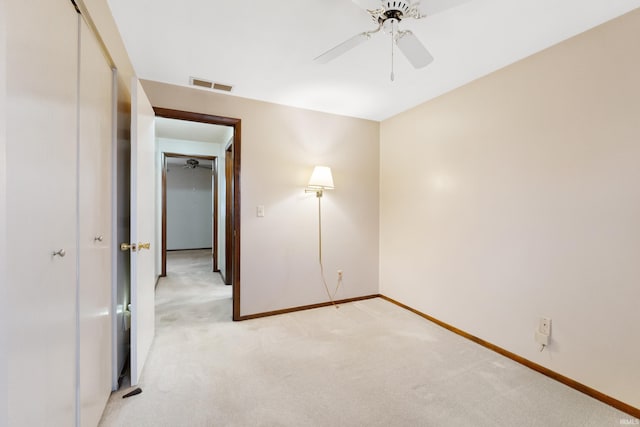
(544, 326)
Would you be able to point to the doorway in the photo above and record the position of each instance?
(232, 202)
(185, 232)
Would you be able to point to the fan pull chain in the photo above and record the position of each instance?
(392, 36)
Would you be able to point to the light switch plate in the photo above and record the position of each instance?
(260, 211)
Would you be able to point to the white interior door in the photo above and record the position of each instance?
(142, 228)
(121, 267)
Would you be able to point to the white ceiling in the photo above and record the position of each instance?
(192, 131)
(265, 49)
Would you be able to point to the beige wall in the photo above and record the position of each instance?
(3, 217)
(517, 196)
(280, 146)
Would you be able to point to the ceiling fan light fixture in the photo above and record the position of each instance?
(390, 25)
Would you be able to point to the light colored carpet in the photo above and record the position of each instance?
(367, 363)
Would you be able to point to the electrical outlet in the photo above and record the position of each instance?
(544, 326)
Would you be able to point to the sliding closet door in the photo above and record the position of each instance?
(42, 45)
(94, 173)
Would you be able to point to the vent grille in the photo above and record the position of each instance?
(209, 84)
(201, 83)
(220, 86)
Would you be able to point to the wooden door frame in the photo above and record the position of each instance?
(228, 190)
(214, 195)
(236, 124)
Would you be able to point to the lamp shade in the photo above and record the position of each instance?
(321, 178)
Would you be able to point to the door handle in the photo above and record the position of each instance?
(144, 245)
(97, 239)
(60, 252)
(126, 247)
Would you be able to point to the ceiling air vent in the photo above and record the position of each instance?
(219, 86)
(200, 82)
(209, 84)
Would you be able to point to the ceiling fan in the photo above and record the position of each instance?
(193, 163)
(387, 14)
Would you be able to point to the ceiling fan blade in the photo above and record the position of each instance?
(342, 48)
(413, 49)
(368, 4)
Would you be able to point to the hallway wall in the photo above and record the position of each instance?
(189, 208)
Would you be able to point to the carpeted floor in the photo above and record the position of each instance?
(367, 363)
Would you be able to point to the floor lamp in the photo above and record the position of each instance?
(322, 179)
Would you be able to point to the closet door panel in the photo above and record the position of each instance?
(41, 203)
(95, 113)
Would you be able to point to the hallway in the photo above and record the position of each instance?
(191, 293)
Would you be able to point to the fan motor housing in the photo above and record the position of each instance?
(396, 8)
(393, 12)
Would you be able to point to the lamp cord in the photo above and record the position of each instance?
(324, 280)
(319, 196)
